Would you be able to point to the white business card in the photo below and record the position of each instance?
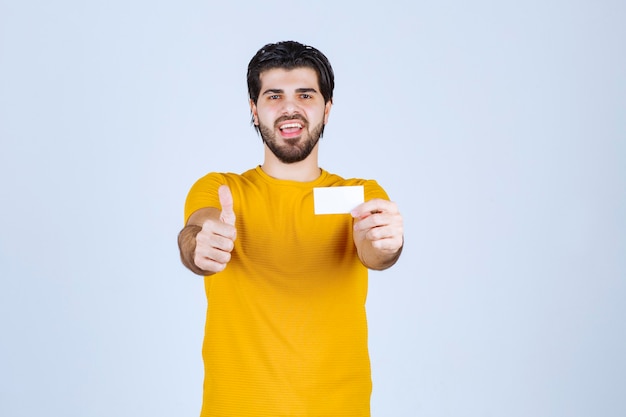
(337, 200)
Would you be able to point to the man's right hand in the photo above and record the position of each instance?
(216, 240)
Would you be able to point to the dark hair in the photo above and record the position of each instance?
(290, 55)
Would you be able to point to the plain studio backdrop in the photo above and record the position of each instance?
(497, 126)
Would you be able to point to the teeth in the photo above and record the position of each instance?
(291, 126)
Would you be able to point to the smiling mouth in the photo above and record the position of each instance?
(289, 126)
(291, 130)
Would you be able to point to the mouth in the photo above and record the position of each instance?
(291, 129)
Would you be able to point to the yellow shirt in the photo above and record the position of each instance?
(286, 331)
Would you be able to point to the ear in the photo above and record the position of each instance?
(253, 110)
(327, 107)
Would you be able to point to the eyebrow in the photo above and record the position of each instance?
(281, 91)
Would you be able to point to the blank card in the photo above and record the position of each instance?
(337, 200)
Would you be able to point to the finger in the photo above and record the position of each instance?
(226, 201)
(208, 264)
(388, 244)
(374, 206)
(379, 234)
(211, 228)
(370, 220)
(206, 242)
(381, 219)
(216, 255)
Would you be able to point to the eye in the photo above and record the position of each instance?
(274, 97)
(306, 96)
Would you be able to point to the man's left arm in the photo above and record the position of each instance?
(378, 233)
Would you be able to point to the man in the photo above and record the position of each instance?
(286, 331)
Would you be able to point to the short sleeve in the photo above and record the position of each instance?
(374, 190)
(204, 194)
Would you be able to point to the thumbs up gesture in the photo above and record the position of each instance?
(226, 201)
(216, 240)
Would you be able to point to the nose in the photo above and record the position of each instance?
(290, 106)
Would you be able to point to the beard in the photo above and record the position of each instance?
(295, 149)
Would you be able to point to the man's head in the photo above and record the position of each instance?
(289, 55)
(291, 92)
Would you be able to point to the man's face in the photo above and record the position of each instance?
(290, 112)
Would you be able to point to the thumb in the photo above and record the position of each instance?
(226, 201)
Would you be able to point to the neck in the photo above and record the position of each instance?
(303, 171)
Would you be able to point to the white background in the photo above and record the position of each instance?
(497, 126)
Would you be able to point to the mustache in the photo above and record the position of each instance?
(294, 116)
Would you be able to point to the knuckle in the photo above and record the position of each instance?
(378, 244)
(374, 234)
(207, 225)
(202, 263)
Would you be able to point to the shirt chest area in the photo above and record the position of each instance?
(282, 223)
